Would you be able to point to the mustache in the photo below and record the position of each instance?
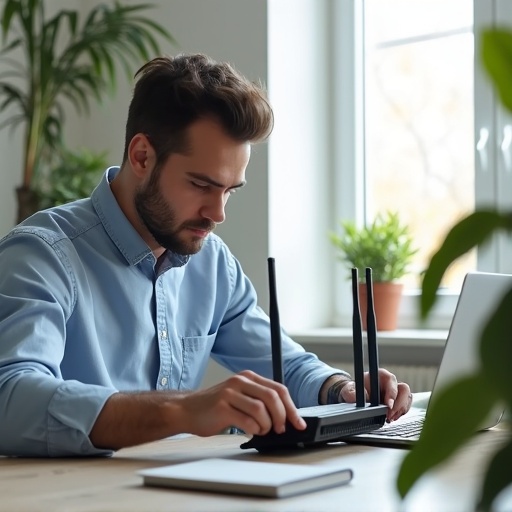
(204, 224)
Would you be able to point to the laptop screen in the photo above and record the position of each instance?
(481, 293)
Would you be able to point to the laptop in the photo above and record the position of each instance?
(480, 294)
(333, 422)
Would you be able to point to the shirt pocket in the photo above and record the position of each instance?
(196, 354)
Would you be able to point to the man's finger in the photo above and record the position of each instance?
(256, 411)
(348, 392)
(276, 399)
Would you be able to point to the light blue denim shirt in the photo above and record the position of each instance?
(85, 312)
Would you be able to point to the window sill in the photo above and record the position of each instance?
(400, 337)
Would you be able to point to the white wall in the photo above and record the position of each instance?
(281, 43)
(299, 160)
(10, 176)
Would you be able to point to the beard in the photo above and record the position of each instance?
(159, 218)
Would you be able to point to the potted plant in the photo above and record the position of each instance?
(64, 60)
(386, 246)
(445, 430)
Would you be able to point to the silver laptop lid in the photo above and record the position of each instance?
(480, 294)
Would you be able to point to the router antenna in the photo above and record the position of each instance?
(373, 351)
(275, 326)
(357, 341)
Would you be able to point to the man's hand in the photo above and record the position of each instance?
(245, 400)
(396, 395)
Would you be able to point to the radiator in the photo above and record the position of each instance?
(419, 377)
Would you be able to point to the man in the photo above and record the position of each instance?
(110, 306)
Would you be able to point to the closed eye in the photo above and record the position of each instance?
(201, 186)
(204, 187)
(204, 183)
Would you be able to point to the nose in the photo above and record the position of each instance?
(215, 209)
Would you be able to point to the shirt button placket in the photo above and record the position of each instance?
(164, 377)
(163, 338)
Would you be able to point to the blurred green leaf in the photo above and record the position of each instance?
(447, 427)
(497, 58)
(496, 356)
(498, 476)
(465, 403)
(470, 232)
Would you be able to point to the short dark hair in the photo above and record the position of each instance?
(173, 92)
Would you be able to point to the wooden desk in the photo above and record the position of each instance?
(111, 484)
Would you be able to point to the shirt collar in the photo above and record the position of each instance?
(119, 228)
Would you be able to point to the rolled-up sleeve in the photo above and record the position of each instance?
(41, 414)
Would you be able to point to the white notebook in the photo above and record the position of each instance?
(270, 479)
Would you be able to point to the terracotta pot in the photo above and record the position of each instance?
(386, 301)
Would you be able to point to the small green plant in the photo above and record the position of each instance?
(385, 245)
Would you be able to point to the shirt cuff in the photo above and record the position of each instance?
(309, 392)
(72, 411)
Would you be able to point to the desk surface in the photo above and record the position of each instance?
(111, 484)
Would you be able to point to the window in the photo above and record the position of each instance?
(416, 99)
(418, 111)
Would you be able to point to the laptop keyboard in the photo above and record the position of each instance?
(408, 429)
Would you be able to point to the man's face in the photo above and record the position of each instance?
(184, 199)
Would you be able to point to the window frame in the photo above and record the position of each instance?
(491, 183)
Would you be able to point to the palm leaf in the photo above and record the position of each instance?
(11, 8)
(78, 90)
(70, 60)
(52, 129)
(13, 95)
(11, 46)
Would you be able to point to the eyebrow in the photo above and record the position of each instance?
(207, 179)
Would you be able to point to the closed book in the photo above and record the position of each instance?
(248, 477)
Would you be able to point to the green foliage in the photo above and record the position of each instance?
(449, 415)
(464, 404)
(470, 232)
(73, 177)
(497, 59)
(384, 245)
(65, 59)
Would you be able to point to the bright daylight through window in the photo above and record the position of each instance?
(419, 120)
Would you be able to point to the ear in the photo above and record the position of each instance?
(141, 155)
